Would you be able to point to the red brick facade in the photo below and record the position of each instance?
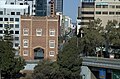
(36, 33)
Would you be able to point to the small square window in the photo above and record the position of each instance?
(25, 53)
(12, 13)
(17, 19)
(25, 43)
(52, 53)
(16, 32)
(17, 13)
(52, 32)
(5, 25)
(1, 19)
(21, 3)
(1, 25)
(25, 31)
(5, 19)
(51, 43)
(11, 19)
(38, 32)
(16, 44)
(1, 12)
(1, 32)
(11, 25)
(16, 25)
(11, 32)
(16, 38)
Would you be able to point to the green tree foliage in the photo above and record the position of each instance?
(67, 65)
(92, 38)
(98, 36)
(9, 64)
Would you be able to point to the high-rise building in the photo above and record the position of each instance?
(41, 8)
(93, 9)
(59, 5)
(10, 16)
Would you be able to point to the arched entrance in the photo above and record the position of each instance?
(39, 53)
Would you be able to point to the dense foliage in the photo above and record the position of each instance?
(96, 36)
(67, 65)
(9, 64)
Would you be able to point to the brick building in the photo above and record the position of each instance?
(39, 37)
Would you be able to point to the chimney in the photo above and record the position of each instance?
(52, 9)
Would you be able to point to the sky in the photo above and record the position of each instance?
(71, 8)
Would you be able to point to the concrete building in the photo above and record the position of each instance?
(11, 10)
(39, 37)
(93, 9)
(10, 16)
(58, 6)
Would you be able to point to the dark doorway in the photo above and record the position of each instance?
(39, 53)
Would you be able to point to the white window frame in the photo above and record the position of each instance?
(25, 53)
(25, 41)
(51, 43)
(38, 32)
(25, 31)
(52, 32)
(52, 53)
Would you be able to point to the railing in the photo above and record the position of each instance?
(101, 62)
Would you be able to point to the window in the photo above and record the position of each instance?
(16, 44)
(11, 25)
(52, 32)
(111, 13)
(38, 32)
(117, 13)
(51, 53)
(16, 32)
(105, 6)
(16, 38)
(98, 6)
(1, 25)
(1, 12)
(11, 19)
(25, 53)
(25, 43)
(1, 31)
(118, 6)
(21, 3)
(98, 12)
(17, 19)
(52, 43)
(11, 32)
(12, 3)
(12, 13)
(104, 12)
(25, 31)
(5, 19)
(17, 13)
(5, 25)
(16, 25)
(112, 6)
(1, 19)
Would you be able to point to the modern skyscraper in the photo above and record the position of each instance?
(59, 5)
(41, 8)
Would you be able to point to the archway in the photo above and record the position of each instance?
(38, 53)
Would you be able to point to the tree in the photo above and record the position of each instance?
(67, 65)
(92, 38)
(69, 60)
(9, 64)
(98, 36)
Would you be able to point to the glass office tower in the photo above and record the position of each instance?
(59, 5)
(41, 8)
